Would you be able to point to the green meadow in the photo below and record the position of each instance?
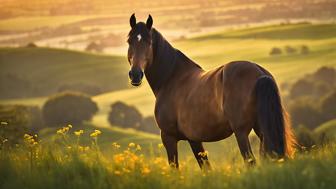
(68, 160)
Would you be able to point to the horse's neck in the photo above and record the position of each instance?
(166, 61)
(159, 72)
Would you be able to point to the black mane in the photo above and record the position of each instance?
(165, 60)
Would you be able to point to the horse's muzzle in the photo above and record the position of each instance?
(136, 76)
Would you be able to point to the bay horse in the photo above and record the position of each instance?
(207, 106)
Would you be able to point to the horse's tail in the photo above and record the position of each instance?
(273, 121)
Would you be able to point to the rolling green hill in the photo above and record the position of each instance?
(47, 69)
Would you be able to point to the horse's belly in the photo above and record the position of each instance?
(210, 131)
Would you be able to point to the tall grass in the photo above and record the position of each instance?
(66, 163)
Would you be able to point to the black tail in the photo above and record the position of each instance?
(272, 119)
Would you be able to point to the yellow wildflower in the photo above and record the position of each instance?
(79, 133)
(145, 170)
(70, 126)
(160, 145)
(95, 133)
(203, 154)
(158, 160)
(27, 136)
(83, 148)
(138, 147)
(115, 145)
(118, 158)
(131, 145)
(63, 130)
(126, 170)
(29, 140)
(117, 172)
(281, 160)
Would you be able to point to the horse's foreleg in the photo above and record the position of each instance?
(170, 143)
(245, 148)
(200, 155)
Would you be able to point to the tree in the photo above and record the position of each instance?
(68, 108)
(304, 49)
(301, 87)
(326, 74)
(124, 115)
(328, 106)
(303, 112)
(275, 51)
(94, 47)
(290, 50)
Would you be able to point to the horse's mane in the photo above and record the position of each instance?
(165, 60)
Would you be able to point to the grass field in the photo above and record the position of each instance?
(65, 160)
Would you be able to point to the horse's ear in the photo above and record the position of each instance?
(149, 22)
(133, 20)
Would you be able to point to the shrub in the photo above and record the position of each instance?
(68, 108)
(275, 51)
(124, 115)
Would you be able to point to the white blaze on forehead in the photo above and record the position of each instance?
(139, 37)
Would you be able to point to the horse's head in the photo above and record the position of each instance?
(140, 51)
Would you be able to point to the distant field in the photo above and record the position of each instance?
(30, 23)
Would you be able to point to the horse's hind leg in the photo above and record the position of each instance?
(258, 133)
(170, 143)
(245, 147)
(200, 154)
